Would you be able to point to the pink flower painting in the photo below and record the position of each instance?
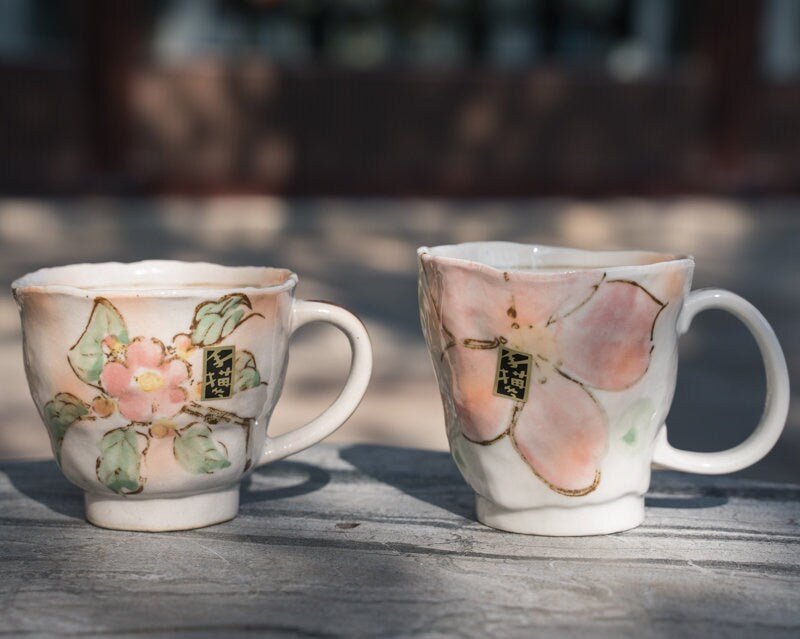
(147, 385)
(151, 386)
(582, 330)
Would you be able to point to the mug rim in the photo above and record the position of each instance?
(52, 279)
(614, 259)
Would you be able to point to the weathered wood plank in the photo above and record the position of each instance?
(370, 540)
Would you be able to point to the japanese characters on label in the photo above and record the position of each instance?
(218, 372)
(513, 374)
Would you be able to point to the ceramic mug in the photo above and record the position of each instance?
(557, 368)
(156, 381)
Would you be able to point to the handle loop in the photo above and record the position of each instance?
(776, 405)
(304, 312)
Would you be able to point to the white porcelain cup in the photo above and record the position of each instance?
(156, 381)
(557, 368)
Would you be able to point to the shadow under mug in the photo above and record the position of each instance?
(156, 381)
(557, 368)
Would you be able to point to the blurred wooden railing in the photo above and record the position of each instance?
(110, 120)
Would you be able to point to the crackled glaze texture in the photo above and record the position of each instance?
(601, 336)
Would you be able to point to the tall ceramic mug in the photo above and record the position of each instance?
(156, 381)
(557, 368)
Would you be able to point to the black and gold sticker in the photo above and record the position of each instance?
(513, 374)
(218, 372)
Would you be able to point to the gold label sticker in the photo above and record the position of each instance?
(218, 372)
(513, 374)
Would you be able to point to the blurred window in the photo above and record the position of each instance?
(34, 28)
(626, 38)
(780, 41)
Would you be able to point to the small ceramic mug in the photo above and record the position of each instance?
(156, 381)
(557, 368)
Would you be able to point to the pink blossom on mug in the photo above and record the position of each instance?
(146, 384)
(577, 332)
(149, 384)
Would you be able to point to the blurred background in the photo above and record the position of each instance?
(334, 138)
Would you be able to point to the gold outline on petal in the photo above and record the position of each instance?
(487, 442)
(663, 305)
(518, 406)
(652, 297)
(583, 303)
(451, 339)
(482, 344)
(427, 276)
(567, 492)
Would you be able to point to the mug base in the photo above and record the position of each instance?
(161, 515)
(613, 516)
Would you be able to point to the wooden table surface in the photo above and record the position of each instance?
(363, 540)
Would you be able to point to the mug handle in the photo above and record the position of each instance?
(776, 406)
(305, 312)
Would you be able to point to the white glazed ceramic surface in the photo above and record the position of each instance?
(557, 368)
(156, 381)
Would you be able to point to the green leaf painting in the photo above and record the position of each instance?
(60, 413)
(635, 420)
(246, 372)
(214, 321)
(196, 450)
(105, 342)
(120, 460)
(87, 357)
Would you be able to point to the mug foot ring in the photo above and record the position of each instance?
(620, 514)
(159, 515)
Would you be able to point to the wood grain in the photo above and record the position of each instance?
(365, 540)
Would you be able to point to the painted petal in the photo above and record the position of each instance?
(482, 303)
(144, 353)
(606, 342)
(115, 378)
(561, 432)
(473, 302)
(166, 402)
(174, 372)
(539, 296)
(136, 406)
(481, 414)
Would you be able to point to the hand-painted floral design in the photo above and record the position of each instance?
(146, 384)
(156, 390)
(584, 331)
